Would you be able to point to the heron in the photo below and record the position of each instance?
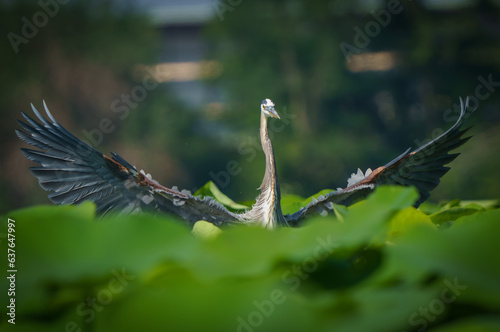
(267, 208)
(75, 172)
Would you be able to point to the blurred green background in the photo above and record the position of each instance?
(175, 86)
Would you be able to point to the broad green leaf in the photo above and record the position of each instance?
(340, 211)
(429, 208)
(291, 203)
(450, 204)
(205, 230)
(66, 246)
(376, 309)
(466, 253)
(248, 251)
(210, 189)
(367, 219)
(451, 214)
(180, 302)
(329, 274)
(486, 323)
(81, 212)
(406, 219)
(486, 204)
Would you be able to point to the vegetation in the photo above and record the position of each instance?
(334, 120)
(379, 265)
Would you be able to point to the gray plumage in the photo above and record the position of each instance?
(421, 168)
(74, 172)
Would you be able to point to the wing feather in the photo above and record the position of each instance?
(421, 168)
(74, 172)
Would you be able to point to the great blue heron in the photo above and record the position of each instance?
(421, 168)
(267, 208)
(76, 172)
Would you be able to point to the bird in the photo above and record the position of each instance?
(267, 208)
(421, 168)
(75, 172)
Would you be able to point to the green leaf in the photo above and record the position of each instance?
(429, 208)
(466, 252)
(81, 212)
(291, 203)
(205, 230)
(472, 324)
(451, 214)
(326, 275)
(340, 211)
(210, 189)
(486, 204)
(183, 303)
(373, 309)
(406, 219)
(60, 245)
(367, 219)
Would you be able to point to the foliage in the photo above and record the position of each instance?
(88, 56)
(210, 189)
(80, 62)
(381, 265)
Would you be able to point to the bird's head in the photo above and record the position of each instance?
(267, 107)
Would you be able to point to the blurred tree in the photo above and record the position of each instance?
(350, 112)
(78, 57)
(336, 117)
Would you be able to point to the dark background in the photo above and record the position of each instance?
(175, 86)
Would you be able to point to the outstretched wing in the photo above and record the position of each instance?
(75, 172)
(421, 168)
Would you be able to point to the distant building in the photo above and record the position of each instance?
(182, 62)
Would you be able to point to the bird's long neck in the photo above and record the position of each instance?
(271, 175)
(267, 206)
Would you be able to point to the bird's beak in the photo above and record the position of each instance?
(273, 113)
